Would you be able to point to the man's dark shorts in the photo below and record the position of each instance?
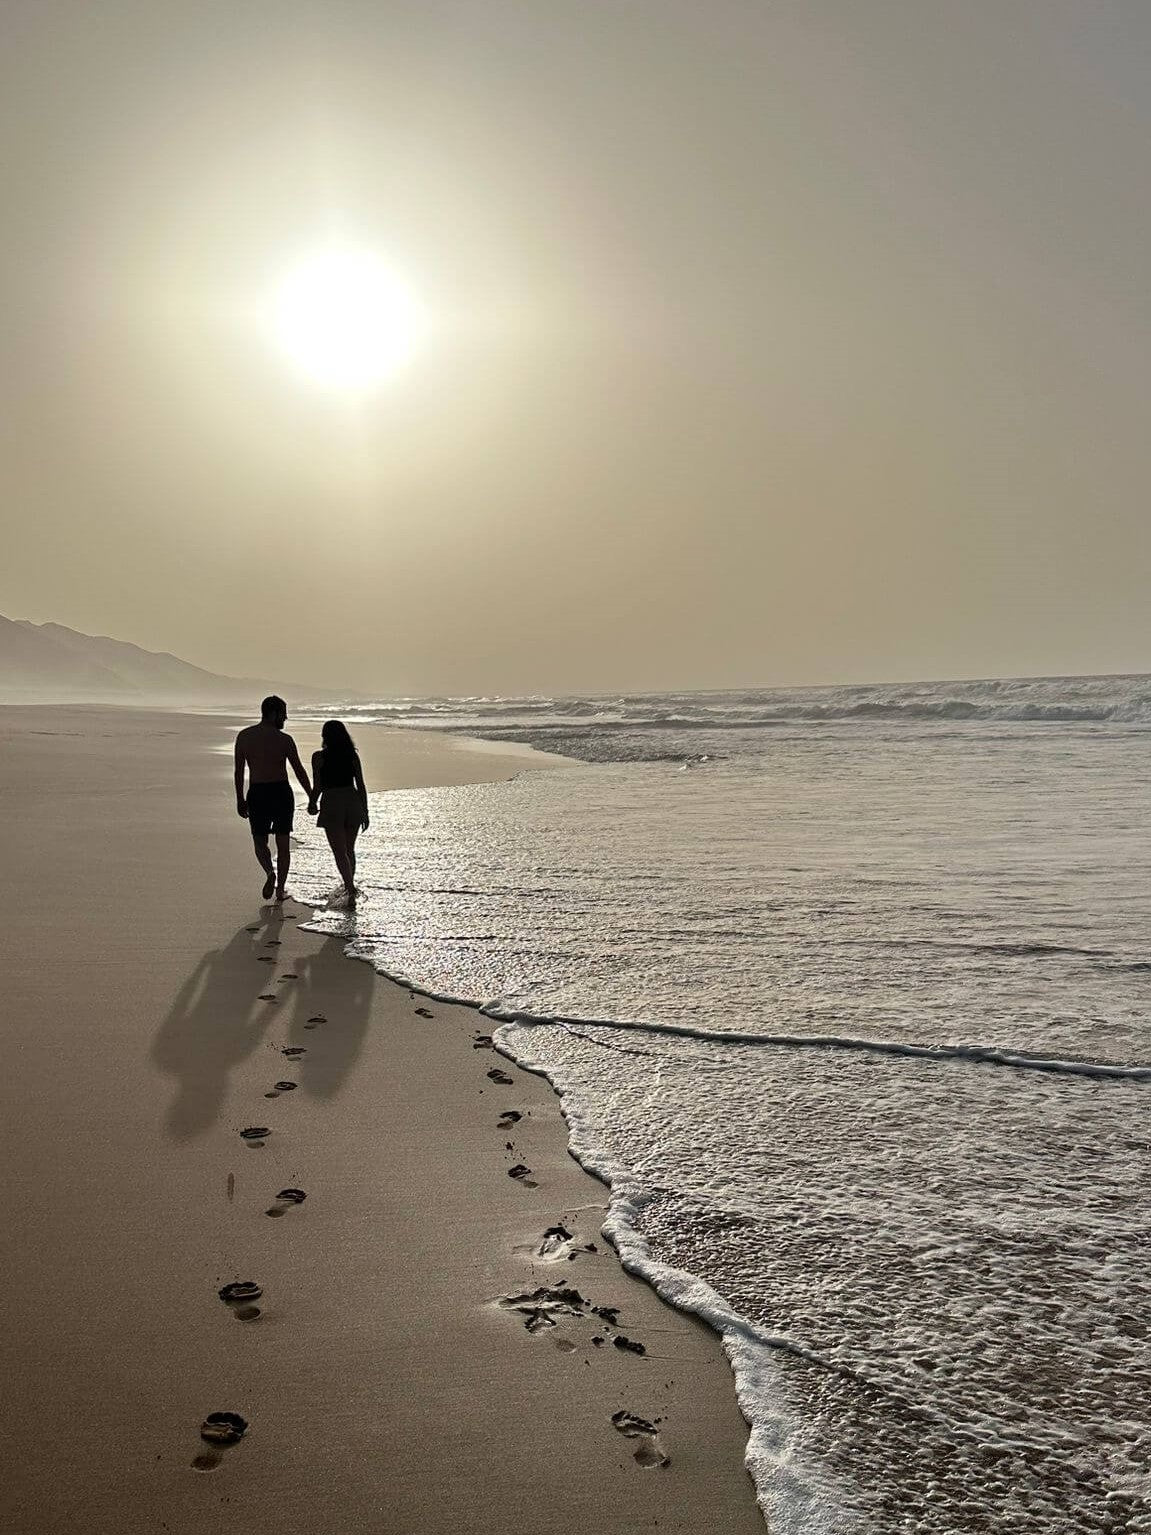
(271, 807)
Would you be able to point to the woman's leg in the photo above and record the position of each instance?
(352, 832)
(338, 842)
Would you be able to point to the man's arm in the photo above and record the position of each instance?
(241, 807)
(298, 766)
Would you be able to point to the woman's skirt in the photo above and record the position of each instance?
(341, 807)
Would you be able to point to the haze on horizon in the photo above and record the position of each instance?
(795, 341)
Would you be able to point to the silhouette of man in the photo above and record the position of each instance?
(269, 807)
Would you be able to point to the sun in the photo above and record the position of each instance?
(346, 320)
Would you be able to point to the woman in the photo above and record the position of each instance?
(338, 786)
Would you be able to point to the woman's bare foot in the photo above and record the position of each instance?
(282, 894)
(269, 886)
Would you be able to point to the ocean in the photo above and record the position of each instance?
(846, 994)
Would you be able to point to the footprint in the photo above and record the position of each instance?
(272, 943)
(255, 1135)
(553, 1238)
(289, 975)
(314, 1020)
(281, 1087)
(422, 1012)
(267, 996)
(508, 1118)
(219, 1428)
(558, 1243)
(499, 1076)
(255, 929)
(538, 1318)
(265, 959)
(565, 1345)
(238, 1297)
(649, 1451)
(285, 1200)
(293, 1052)
(542, 1308)
(482, 1042)
(522, 1175)
(628, 1345)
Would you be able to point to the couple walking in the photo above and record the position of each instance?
(336, 791)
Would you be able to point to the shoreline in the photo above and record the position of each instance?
(393, 1374)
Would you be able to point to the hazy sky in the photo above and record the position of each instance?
(775, 341)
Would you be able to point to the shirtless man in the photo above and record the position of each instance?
(266, 751)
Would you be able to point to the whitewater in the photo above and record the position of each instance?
(845, 991)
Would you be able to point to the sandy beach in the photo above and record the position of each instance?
(403, 1373)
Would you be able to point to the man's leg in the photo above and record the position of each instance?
(264, 858)
(283, 862)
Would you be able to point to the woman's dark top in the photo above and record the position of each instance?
(338, 769)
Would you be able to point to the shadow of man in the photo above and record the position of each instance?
(215, 1021)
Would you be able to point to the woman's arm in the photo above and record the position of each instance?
(362, 790)
(317, 781)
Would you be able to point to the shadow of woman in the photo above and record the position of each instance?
(215, 1021)
(340, 990)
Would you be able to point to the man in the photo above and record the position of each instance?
(266, 751)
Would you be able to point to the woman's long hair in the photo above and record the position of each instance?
(339, 748)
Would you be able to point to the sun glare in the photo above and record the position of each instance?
(347, 320)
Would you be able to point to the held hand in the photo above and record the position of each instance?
(241, 810)
(313, 808)
(364, 824)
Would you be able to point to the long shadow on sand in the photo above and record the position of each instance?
(217, 1019)
(339, 990)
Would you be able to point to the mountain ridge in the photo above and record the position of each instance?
(51, 663)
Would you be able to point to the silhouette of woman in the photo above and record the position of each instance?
(341, 797)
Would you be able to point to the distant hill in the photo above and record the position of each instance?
(47, 663)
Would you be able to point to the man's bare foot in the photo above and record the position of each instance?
(269, 886)
(282, 894)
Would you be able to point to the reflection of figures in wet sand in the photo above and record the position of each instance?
(252, 989)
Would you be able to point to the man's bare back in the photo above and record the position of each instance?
(266, 752)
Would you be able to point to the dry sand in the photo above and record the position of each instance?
(385, 1386)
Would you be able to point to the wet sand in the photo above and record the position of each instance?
(403, 1373)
